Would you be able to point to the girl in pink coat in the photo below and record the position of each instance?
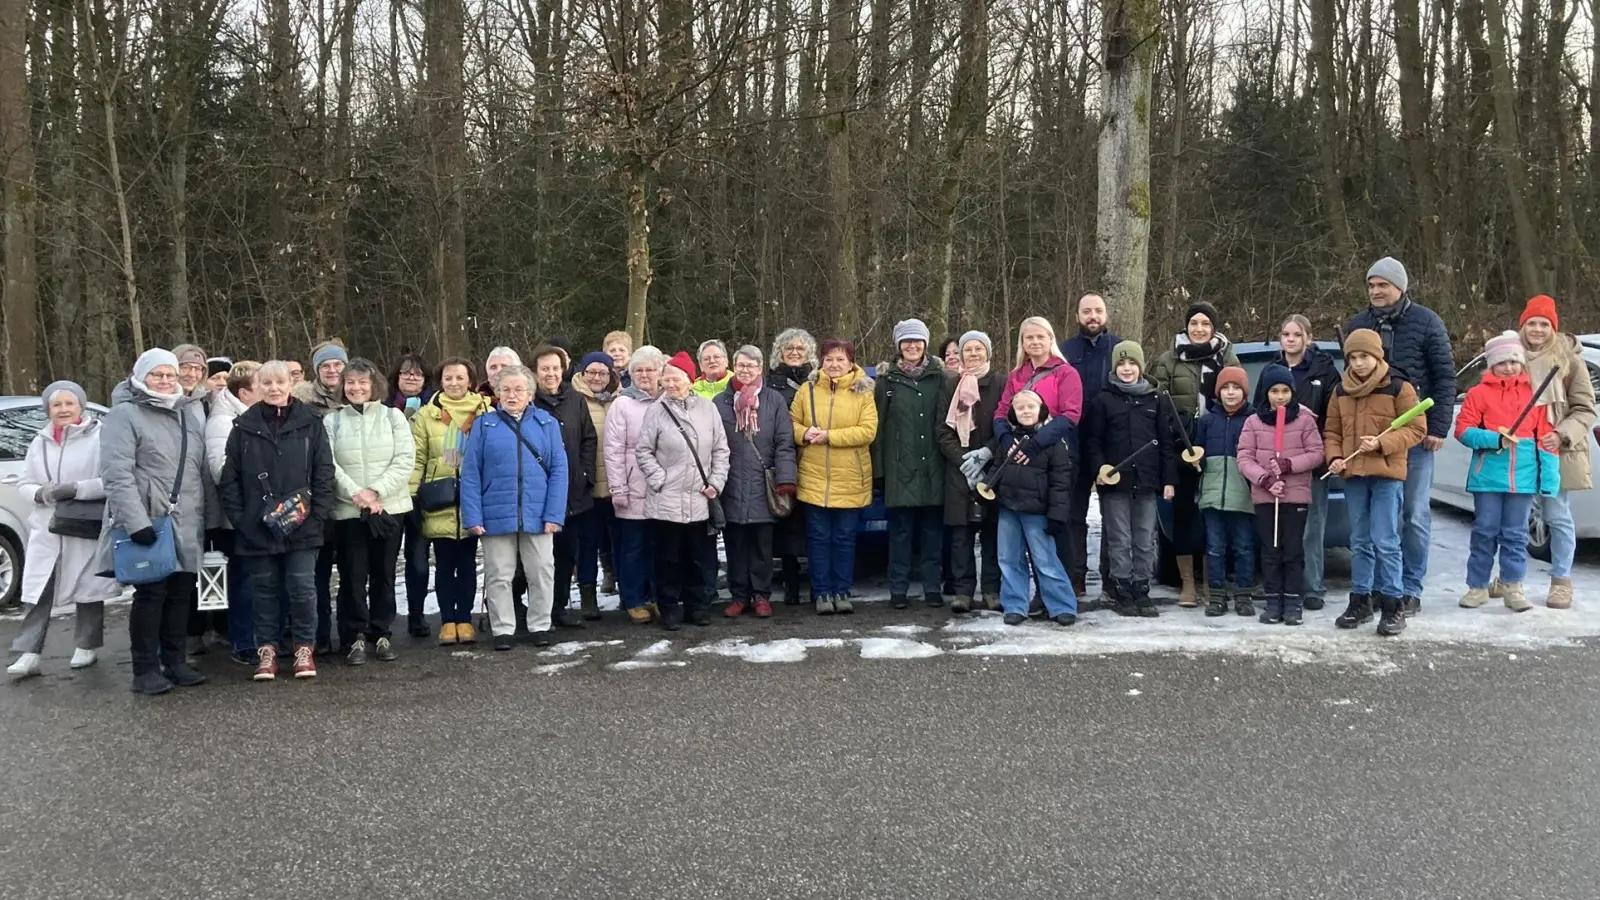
(1279, 451)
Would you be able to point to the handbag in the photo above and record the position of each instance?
(135, 563)
(780, 505)
(74, 518)
(439, 494)
(716, 518)
(284, 516)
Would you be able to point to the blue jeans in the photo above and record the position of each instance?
(831, 550)
(1230, 533)
(1418, 522)
(1499, 522)
(241, 608)
(634, 562)
(1019, 537)
(416, 563)
(1563, 533)
(457, 579)
(1315, 537)
(284, 579)
(909, 525)
(1375, 555)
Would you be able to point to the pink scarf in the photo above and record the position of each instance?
(960, 415)
(747, 406)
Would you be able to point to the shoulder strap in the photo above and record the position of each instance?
(692, 454)
(183, 457)
(813, 386)
(1038, 376)
(516, 429)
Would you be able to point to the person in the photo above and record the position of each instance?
(514, 500)
(499, 358)
(683, 453)
(324, 395)
(202, 627)
(1034, 497)
(556, 396)
(1225, 496)
(1569, 404)
(440, 431)
(597, 383)
(1041, 368)
(1089, 352)
(192, 369)
(218, 368)
(1128, 425)
(1417, 347)
(624, 421)
(714, 373)
(794, 358)
(835, 419)
(236, 396)
(950, 354)
(153, 471)
(907, 461)
(1315, 377)
(277, 448)
(373, 457)
(760, 439)
(413, 387)
(61, 478)
(1509, 468)
(297, 373)
(1372, 461)
(968, 398)
(619, 346)
(1280, 467)
(1187, 374)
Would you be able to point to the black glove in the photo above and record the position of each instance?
(65, 491)
(1027, 448)
(1055, 527)
(41, 497)
(144, 537)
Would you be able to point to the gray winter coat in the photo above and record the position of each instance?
(669, 469)
(139, 444)
(744, 499)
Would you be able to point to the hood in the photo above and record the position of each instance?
(226, 405)
(1044, 416)
(125, 392)
(856, 380)
(88, 426)
(582, 387)
(297, 415)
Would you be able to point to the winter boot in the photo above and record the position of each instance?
(1392, 621)
(1036, 606)
(1218, 604)
(1497, 589)
(933, 600)
(1410, 606)
(1273, 614)
(1313, 601)
(898, 601)
(671, 615)
(842, 604)
(608, 577)
(1186, 595)
(562, 617)
(991, 600)
(1560, 595)
(305, 661)
(791, 585)
(697, 614)
(639, 615)
(266, 663)
(466, 634)
(1126, 603)
(417, 626)
(1514, 599)
(1141, 598)
(960, 604)
(447, 633)
(589, 602)
(1243, 602)
(1292, 609)
(1475, 597)
(1357, 613)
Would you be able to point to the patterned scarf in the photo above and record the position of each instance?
(747, 407)
(458, 417)
(959, 415)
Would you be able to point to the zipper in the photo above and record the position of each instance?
(827, 454)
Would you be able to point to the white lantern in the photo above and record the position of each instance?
(213, 581)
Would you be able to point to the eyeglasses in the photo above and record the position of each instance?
(192, 367)
(514, 392)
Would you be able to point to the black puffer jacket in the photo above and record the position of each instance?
(1314, 381)
(1040, 487)
(292, 453)
(957, 496)
(787, 380)
(1417, 347)
(579, 439)
(1116, 424)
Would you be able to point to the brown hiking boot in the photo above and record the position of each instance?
(1560, 595)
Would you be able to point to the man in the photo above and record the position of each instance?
(1089, 352)
(1417, 347)
(906, 458)
(499, 358)
(297, 372)
(619, 346)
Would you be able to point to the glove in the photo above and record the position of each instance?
(41, 497)
(144, 537)
(1282, 465)
(785, 490)
(1027, 448)
(973, 462)
(1266, 481)
(1054, 528)
(64, 492)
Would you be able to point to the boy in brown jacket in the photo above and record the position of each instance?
(1373, 465)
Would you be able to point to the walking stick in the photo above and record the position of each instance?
(1191, 454)
(1110, 474)
(1277, 451)
(1402, 421)
(1532, 402)
(986, 488)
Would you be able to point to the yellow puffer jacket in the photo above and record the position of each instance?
(837, 474)
(439, 430)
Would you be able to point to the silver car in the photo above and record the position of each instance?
(20, 419)
(1450, 469)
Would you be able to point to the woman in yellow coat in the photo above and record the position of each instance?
(440, 428)
(835, 419)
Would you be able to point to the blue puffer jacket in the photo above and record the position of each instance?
(1222, 486)
(504, 488)
(1523, 469)
(1417, 346)
(1092, 359)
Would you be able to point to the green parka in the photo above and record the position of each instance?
(906, 453)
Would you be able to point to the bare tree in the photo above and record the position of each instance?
(1131, 34)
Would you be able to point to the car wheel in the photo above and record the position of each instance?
(1538, 533)
(10, 570)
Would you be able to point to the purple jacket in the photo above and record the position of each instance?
(1302, 446)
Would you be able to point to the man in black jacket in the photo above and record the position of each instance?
(1417, 346)
(1089, 351)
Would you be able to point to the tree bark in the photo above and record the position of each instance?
(1330, 133)
(1414, 126)
(19, 307)
(1509, 143)
(448, 156)
(1122, 228)
(839, 65)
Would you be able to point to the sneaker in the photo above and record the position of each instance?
(26, 666)
(541, 638)
(246, 658)
(358, 653)
(266, 664)
(565, 618)
(447, 634)
(1514, 598)
(1392, 621)
(824, 605)
(82, 658)
(502, 642)
(842, 605)
(1410, 606)
(763, 608)
(418, 626)
(384, 651)
(1475, 597)
(1066, 619)
(899, 601)
(1015, 618)
(184, 675)
(305, 661)
(734, 609)
(197, 646)
(465, 633)
(1357, 613)
(151, 683)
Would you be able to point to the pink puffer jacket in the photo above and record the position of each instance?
(1302, 446)
(624, 421)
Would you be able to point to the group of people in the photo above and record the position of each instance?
(622, 469)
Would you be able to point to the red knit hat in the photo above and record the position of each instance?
(1540, 307)
(683, 363)
(1233, 375)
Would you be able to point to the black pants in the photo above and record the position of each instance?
(1188, 527)
(158, 622)
(565, 546)
(922, 527)
(749, 560)
(708, 569)
(1082, 488)
(680, 549)
(326, 557)
(283, 576)
(963, 559)
(416, 547)
(366, 581)
(1283, 568)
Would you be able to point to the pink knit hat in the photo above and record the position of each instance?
(1507, 345)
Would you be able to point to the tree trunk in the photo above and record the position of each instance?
(1414, 127)
(637, 216)
(448, 142)
(839, 65)
(1180, 109)
(19, 306)
(1122, 227)
(1330, 133)
(969, 103)
(1509, 143)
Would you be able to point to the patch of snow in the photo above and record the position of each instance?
(632, 664)
(1134, 692)
(553, 668)
(905, 629)
(897, 648)
(654, 651)
(786, 650)
(569, 648)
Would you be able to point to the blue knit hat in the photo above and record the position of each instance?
(595, 356)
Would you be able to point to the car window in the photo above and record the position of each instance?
(1594, 377)
(17, 428)
(1468, 377)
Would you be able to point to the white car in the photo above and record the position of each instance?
(20, 419)
(1450, 469)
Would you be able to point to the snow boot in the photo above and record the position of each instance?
(1514, 599)
(1141, 599)
(1392, 621)
(671, 615)
(899, 601)
(1497, 589)
(1218, 604)
(1560, 595)
(1292, 609)
(1475, 597)
(1126, 602)
(1186, 593)
(1243, 602)
(608, 575)
(1410, 606)
(1273, 613)
(842, 605)
(991, 600)
(588, 602)
(1313, 601)
(1358, 612)
(960, 604)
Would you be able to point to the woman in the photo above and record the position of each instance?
(62, 480)
(794, 358)
(277, 454)
(597, 383)
(373, 456)
(412, 388)
(950, 354)
(760, 438)
(1569, 403)
(714, 374)
(683, 453)
(440, 431)
(237, 395)
(514, 499)
(624, 422)
(906, 457)
(968, 399)
(556, 396)
(218, 370)
(192, 369)
(1188, 375)
(835, 419)
(153, 470)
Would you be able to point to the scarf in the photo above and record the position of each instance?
(1138, 389)
(458, 417)
(1205, 356)
(746, 406)
(909, 370)
(1556, 355)
(1358, 388)
(634, 393)
(165, 401)
(959, 415)
(795, 375)
(1384, 318)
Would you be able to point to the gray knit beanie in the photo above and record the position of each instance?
(328, 352)
(71, 387)
(1390, 270)
(911, 330)
(980, 337)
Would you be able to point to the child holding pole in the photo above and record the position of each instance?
(1278, 451)
(1225, 496)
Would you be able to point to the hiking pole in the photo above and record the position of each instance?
(1191, 454)
(986, 488)
(1532, 402)
(1400, 422)
(1277, 452)
(1110, 475)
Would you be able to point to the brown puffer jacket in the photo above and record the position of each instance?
(1352, 418)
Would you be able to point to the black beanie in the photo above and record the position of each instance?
(1201, 307)
(217, 365)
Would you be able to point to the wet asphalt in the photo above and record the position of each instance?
(1466, 773)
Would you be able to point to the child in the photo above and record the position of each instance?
(1507, 470)
(1225, 495)
(1373, 465)
(1121, 420)
(1279, 469)
(1035, 500)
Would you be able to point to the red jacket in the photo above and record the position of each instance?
(1495, 402)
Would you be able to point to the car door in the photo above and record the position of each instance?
(1450, 466)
